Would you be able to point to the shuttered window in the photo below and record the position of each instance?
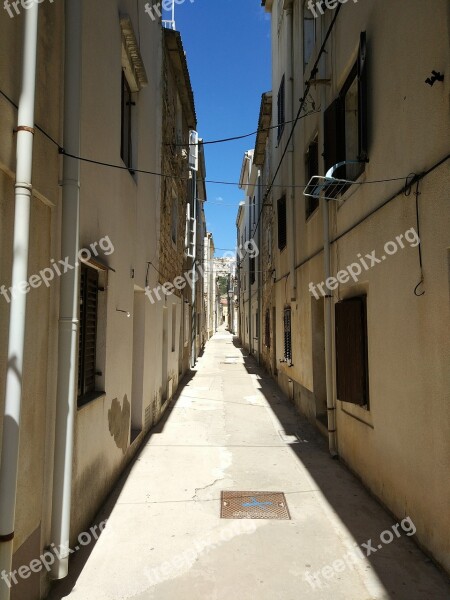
(281, 214)
(351, 351)
(267, 329)
(126, 129)
(287, 335)
(252, 270)
(346, 121)
(281, 108)
(87, 347)
(312, 169)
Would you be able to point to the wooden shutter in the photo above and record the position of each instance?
(252, 271)
(362, 100)
(287, 335)
(312, 168)
(267, 329)
(281, 214)
(88, 330)
(351, 351)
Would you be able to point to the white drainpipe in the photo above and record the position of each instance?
(290, 154)
(68, 313)
(14, 377)
(331, 408)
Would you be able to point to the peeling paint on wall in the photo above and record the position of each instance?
(119, 422)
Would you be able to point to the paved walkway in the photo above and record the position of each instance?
(232, 429)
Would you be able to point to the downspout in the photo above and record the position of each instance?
(328, 304)
(194, 273)
(17, 320)
(69, 300)
(259, 269)
(290, 154)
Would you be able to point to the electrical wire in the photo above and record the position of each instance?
(63, 152)
(299, 112)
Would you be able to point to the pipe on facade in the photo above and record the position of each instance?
(69, 301)
(16, 342)
(291, 162)
(328, 303)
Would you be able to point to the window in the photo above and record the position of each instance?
(252, 270)
(346, 122)
(287, 335)
(267, 329)
(309, 33)
(126, 129)
(281, 212)
(312, 169)
(174, 219)
(351, 351)
(87, 344)
(281, 109)
(257, 325)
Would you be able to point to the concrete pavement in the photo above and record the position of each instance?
(231, 428)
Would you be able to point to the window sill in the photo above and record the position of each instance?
(359, 413)
(87, 399)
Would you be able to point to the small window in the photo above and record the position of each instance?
(252, 270)
(287, 335)
(351, 351)
(312, 169)
(87, 341)
(267, 329)
(257, 325)
(346, 122)
(126, 130)
(281, 108)
(281, 212)
(309, 33)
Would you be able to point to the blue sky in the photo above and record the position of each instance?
(227, 43)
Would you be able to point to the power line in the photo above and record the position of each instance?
(63, 152)
(297, 118)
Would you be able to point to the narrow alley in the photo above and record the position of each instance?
(230, 429)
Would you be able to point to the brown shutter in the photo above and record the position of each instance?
(351, 351)
(287, 335)
(267, 329)
(362, 100)
(88, 330)
(334, 134)
(281, 215)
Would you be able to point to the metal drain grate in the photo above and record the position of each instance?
(253, 505)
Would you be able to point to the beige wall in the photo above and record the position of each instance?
(400, 447)
(36, 443)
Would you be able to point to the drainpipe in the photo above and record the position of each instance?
(259, 270)
(194, 273)
(69, 299)
(290, 154)
(331, 408)
(250, 333)
(16, 344)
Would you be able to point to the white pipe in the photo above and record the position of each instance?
(14, 377)
(68, 314)
(331, 409)
(290, 154)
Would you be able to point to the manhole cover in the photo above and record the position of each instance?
(253, 505)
